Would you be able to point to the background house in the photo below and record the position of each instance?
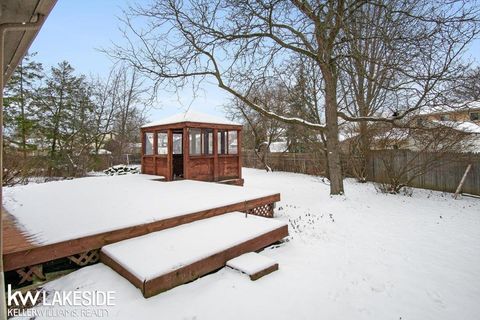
(469, 112)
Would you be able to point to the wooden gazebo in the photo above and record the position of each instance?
(193, 146)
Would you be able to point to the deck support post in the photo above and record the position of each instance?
(142, 169)
(186, 154)
(239, 153)
(215, 155)
(169, 176)
(155, 151)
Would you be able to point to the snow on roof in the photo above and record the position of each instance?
(101, 151)
(474, 146)
(279, 146)
(191, 116)
(450, 108)
(344, 135)
(396, 134)
(464, 126)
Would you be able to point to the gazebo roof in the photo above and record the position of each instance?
(191, 116)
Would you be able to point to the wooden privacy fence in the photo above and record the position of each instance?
(428, 170)
(308, 163)
(442, 173)
(104, 161)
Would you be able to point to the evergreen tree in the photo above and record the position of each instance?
(63, 105)
(19, 105)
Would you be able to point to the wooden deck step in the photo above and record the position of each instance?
(165, 259)
(253, 264)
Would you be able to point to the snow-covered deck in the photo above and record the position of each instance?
(68, 217)
(184, 253)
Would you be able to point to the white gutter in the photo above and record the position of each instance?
(4, 28)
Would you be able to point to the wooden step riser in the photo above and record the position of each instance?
(264, 272)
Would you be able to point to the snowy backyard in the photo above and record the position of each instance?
(365, 255)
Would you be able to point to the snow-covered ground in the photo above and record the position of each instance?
(365, 255)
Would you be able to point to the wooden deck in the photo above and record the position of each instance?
(174, 260)
(20, 251)
(14, 239)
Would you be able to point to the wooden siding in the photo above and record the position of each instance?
(148, 165)
(228, 167)
(161, 166)
(201, 168)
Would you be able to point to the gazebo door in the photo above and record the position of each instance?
(177, 151)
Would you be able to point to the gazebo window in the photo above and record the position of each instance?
(177, 143)
(148, 143)
(162, 143)
(208, 141)
(227, 142)
(222, 142)
(195, 138)
(201, 142)
(232, 142)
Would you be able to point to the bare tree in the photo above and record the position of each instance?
(260, 131)
(129, 110)
(401, 57)
(409, 153)
(104, 99)
(467, 88)
(242, 44)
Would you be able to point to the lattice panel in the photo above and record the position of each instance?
(84, 258)
(263, 211)
(28, 273)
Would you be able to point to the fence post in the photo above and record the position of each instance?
(460, 185)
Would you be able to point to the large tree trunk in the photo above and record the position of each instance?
(333, 151)
(364, 152)
(333, 156)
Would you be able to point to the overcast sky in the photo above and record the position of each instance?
(76, 29)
